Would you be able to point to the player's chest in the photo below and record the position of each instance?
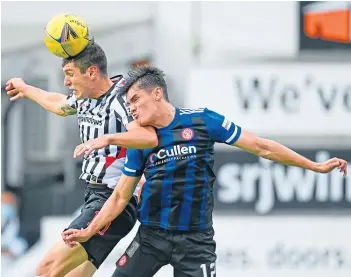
(92, 114)
(179, 146)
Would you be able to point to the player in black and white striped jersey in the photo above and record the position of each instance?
(103, 119)
(96, 117)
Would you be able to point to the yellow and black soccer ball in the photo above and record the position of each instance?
(66, 35)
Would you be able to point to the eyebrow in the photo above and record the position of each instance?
(133, 97)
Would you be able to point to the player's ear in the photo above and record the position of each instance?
(92, 71)
(158, 93)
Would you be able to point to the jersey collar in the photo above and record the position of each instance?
(173, 122)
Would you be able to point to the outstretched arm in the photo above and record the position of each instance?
(277, 152)
(223, 130)
(51, 101)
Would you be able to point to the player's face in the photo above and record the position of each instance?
(79, 82)
(143, 105)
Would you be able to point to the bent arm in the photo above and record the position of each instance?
(52, 101)
(115, 204)
(137, 137)
(273, 150)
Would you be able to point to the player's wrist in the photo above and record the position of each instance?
(109, 139)
(91, 230)
(112, 139)
(314, 166)
(26, 89)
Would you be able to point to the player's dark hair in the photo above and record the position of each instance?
(147, 77)
(93, 54)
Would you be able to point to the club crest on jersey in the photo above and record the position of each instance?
(122, 261)
(187, 134)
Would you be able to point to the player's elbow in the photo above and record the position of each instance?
(60, 113)
(150, 139)
(121, 197)
(119, 203)
(58, 109)
(153, 140)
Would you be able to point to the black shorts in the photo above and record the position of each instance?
(102, 243)
(192, 254)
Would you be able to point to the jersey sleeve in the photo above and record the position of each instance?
(72, 101)
(134, 164)
(121, 107)
(220, 129)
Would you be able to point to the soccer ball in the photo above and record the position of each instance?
(66, 35)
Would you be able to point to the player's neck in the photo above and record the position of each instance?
(101, 87)
(165, 116)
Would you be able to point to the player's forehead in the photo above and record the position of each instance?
(70, 66)
(133, 92)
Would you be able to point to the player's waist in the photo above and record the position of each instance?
(109, 167)
(102, 191)
(192, 227)
(109, 179)
(98, 187)
(105, 159)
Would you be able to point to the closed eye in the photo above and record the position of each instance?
(68, 73)
(134, 99)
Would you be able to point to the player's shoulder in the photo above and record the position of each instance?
(197, 112)
(118, 83)
(117, 94)
(191, 111)
(118, 79)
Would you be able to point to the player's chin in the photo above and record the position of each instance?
(142, 122)
(78, 95)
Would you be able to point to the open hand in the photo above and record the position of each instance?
(331, 164)
(15, 87)
(90, 146)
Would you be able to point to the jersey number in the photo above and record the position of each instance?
(212, 270)
(102, 231)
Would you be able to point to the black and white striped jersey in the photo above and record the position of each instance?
(108, 114)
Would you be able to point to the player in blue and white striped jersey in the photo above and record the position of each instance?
(176, 203)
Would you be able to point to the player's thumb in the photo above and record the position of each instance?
(91, 149)
(16, 97)
(67, 233)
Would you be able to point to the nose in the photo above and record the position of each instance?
(132, 108)
(67, 81)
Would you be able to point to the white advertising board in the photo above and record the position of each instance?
(251, 246)
(283, 246)
(278, 99)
